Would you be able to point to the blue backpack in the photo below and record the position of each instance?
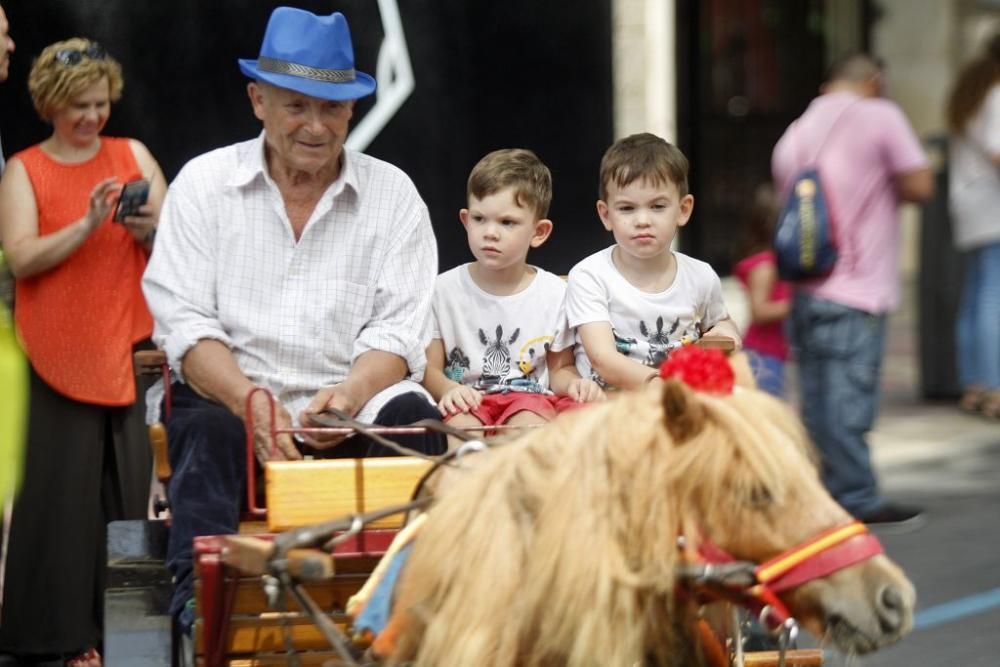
(805, 236)
(805, 241)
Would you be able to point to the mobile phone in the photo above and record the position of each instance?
(133, 195)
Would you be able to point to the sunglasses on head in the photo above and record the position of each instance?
(94, 51)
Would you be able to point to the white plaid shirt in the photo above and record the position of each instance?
(226, 266)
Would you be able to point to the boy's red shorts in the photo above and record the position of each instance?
(498, 408)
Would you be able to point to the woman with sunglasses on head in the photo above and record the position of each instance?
(80, 312)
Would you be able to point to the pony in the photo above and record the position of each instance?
(560, 547)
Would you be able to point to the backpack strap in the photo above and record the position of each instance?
(826, 137)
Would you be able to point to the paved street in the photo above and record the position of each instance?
(933, 455)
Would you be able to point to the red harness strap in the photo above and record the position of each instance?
(820, 556)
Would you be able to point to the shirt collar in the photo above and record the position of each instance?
(253, 165)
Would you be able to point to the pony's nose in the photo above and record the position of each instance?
(891, 610)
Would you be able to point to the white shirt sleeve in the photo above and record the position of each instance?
(402, 300)
(990, 134)
(587, 298)
(179, 282)
(715, 307)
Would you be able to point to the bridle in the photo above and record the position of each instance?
(713, 573)
(710, 574)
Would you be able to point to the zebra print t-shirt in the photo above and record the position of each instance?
(498, 343)
(646, 326)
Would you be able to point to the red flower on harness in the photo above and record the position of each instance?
(700, 369)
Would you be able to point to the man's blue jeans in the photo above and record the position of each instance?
(207, 450)
(979, 320)
(839, 351)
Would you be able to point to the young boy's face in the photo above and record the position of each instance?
(501, 231)
(644, 216)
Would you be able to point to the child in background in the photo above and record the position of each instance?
(768, 297)
(500, 351)
(634, 302)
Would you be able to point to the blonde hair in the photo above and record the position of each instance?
(54, 84)
(517, 168)
(643, 156)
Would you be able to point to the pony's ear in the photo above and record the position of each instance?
(683, 415)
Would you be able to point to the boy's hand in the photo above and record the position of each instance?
(585, 391)
(459, 399)
(726, 329)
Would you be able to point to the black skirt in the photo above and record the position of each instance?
(85, 465)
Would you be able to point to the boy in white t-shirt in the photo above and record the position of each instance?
(632, 303)
(500, 351)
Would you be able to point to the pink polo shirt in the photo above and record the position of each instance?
(869, 144)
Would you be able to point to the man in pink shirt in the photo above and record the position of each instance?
(869, 160)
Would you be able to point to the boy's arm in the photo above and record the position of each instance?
(452, 397)
(726, 327)
(715, 311)
(565, 380)
(435, 381)
(616, 369)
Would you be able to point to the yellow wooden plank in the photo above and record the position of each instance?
(793, 658)
(248, 635)
(324, 658)
(330, 595)
(301, 493)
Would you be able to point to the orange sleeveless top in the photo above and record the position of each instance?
(79, 320)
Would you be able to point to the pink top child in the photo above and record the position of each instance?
(767, 338)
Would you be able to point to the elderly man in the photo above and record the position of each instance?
(292, 263)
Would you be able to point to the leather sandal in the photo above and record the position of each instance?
(972, 399)
(989, 406)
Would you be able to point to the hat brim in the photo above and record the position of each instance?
(362, 86)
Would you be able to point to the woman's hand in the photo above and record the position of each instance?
(101, 200)
(142, 225)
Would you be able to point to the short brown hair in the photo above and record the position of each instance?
(643, 156)
(972, 86)
(853, 67)
(53, 84)
(516, 168)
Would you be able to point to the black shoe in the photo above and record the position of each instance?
(893, 515)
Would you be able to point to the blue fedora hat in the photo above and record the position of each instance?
(309, 54)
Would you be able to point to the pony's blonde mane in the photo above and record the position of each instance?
(561, 547)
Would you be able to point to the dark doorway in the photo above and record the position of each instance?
(747, 69)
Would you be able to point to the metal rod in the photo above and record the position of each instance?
(329, 629)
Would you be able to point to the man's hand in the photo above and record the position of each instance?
(338, 397)
(583, 390)
(281, 448)
(461, 398)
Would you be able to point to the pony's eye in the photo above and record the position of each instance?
(760, 498)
